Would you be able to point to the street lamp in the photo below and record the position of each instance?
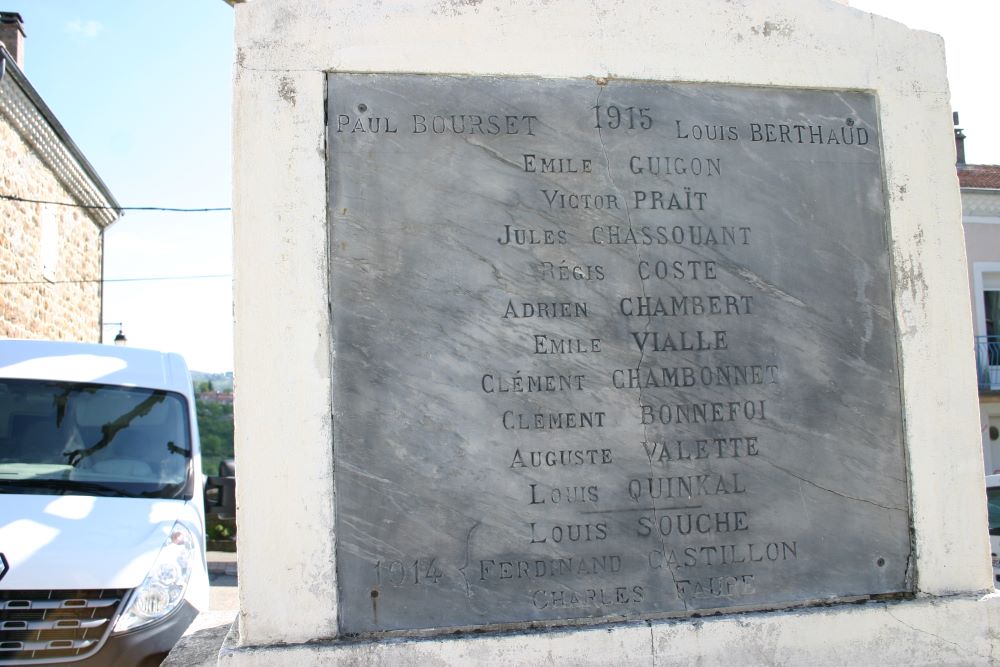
(120, 338)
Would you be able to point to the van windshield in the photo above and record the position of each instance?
(61, 438)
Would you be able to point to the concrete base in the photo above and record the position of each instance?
(958, 630)
(201, 647)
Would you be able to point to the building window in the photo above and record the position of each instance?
(991, 311)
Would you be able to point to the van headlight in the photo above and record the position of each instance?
(163, 588)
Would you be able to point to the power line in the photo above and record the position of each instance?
(113, 208)
(115, 280)
(134, 280)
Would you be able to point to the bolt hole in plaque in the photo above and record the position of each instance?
(609, 351)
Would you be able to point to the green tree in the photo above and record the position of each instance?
(215, 424)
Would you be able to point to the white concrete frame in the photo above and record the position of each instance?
(978, 285)
(288, 591)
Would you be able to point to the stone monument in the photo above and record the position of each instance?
(599, 334)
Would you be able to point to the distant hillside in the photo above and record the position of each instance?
(215, 423)
(215, 420)
(220, 381)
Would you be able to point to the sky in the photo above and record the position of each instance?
(969, 28)
(144, 90)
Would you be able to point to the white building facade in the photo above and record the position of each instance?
(981, 219)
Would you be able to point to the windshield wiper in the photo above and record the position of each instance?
(64, 486)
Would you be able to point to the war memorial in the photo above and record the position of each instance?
(601, 333)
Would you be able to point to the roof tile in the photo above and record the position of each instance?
(979, 176)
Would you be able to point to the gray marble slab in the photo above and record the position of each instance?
(608, 350)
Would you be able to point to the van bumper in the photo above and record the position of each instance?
(141, 646)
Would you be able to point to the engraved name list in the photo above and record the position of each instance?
(608, 350)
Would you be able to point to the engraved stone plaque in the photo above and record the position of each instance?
(608, 350)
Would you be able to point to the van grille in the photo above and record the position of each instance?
(52, 625)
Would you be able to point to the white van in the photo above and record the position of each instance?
(993, 508)
(102, 525)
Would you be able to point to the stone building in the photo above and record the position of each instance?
(51, 254)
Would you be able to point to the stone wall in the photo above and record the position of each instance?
(38, 300)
